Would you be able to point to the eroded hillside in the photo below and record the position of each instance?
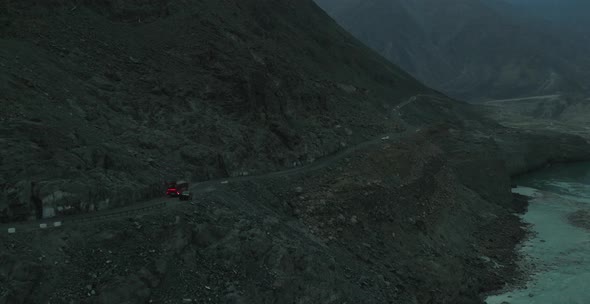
(104, 101)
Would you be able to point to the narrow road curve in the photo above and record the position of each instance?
(212, 185)
(524, 98)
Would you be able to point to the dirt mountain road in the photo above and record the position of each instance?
(212, 185)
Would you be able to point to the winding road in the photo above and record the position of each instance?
(210, 186)
(523, 98)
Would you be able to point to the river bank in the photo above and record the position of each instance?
(557, 255)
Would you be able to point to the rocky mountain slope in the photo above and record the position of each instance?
(104, 101)
(468, 49)
(568, 15)
(426, 217)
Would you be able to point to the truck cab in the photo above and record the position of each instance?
(174, 189)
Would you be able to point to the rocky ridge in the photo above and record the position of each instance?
(104, 101)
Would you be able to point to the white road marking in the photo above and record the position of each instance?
(11, 230)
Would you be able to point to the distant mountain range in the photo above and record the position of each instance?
(471, 49)
(567, 14)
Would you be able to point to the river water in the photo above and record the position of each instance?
(559, 252)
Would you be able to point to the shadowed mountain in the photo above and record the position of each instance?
(467, 49)
(566, 15)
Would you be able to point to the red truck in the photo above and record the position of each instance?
(175, 189)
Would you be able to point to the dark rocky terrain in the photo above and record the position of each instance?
(470, 49)
(107, 99)
(104, 101)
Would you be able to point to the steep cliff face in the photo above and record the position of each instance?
(468, 49)
(104, 100)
